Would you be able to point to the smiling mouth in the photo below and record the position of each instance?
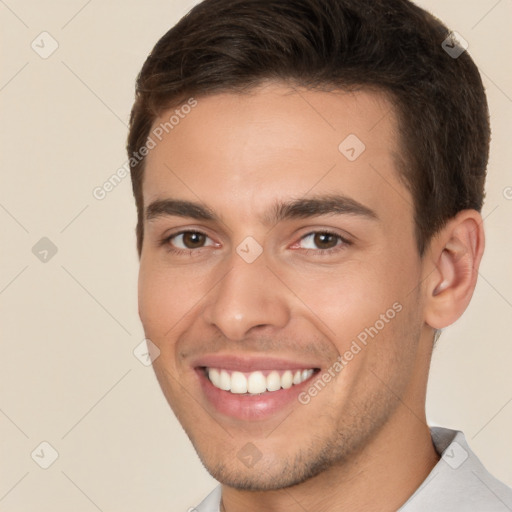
(258, 382)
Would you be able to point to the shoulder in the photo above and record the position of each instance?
(459, 481)
(211, 503)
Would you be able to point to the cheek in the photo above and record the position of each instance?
(360, 303)
(346, 298)
(164, 298)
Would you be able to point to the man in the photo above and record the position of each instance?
(309, 178)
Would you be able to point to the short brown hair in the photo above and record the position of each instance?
(390, 45)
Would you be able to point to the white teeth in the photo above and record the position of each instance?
(215, 377)
(287, 380)
(256, 382)
(238, 383)
(225, 380)
(273, 381)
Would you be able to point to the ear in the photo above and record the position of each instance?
(456, 252)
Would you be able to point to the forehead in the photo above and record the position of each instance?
(276, 142)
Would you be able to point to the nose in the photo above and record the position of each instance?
(247, 297)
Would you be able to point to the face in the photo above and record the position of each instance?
(278, 279)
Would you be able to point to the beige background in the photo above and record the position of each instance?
(69, 326)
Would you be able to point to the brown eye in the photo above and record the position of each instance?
(320, 241)
(193, 240)
(187, 240)
(325, 240)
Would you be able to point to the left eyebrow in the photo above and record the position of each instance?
(302, 208)
(332, 204)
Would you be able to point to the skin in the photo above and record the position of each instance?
(366, 430)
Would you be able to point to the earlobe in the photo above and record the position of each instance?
(456, 253)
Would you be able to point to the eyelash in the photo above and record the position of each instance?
(321, 252)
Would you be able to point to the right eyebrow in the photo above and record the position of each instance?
(179, 208)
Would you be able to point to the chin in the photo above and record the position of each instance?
(268, 473)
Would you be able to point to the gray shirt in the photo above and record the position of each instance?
(459, 482)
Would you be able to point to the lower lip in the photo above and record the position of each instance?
(251, 407)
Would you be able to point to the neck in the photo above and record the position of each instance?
(381, 477)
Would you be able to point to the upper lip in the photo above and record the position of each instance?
(250, 363)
